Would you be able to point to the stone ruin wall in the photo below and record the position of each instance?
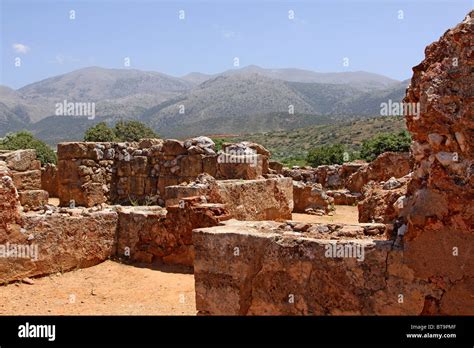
(95, 173)
(90, 231)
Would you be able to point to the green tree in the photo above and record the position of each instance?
(396, 142)
(100, 132)
(25, 140)
(133, 131)
(326, 154)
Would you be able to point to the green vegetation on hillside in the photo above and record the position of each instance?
(292, 147)
(327, 154)
(123, 131)
(25, 140)
(397, 142)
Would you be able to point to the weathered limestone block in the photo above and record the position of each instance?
(264, 199)
(173, 194)
(266, 268)
(244, 147)
(9, 201)
(80, 150)
(20, 160)
(310, 196)
(200, 145)
(349, 168)
(28, 180)
(57, 243)
(49, 179)
(191, 165)
(149, 234)
(276, 166)
(344, 197)
(385, 166)
(249, 167)
(33, 199)
(172, 147)
(138, 227)
(383, 201)
(329, 176)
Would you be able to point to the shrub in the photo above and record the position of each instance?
(396, 142)
(123, 131)
(218, 142)
(133, 131)
(100, 132)
(25, 140)
(326, 154)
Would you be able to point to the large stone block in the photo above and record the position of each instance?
(172, 147)
(310, 196)
(57, 243)
(29, 180)
(9, 201)
(240, 167)
(191, 165)
(385, 166)
(383, 202)
(263, 199)
(266, 268)
(149, 234)
(20, 160)
(78, 150)
(50, 180)
(33, 199)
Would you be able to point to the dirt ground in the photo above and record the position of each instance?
(112, 288)
(344, 214)
(109, 288)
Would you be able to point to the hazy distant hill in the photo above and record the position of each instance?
(358, 79)
(235, 101)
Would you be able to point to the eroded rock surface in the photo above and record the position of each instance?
(440, 213)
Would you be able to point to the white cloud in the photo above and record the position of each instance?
(20, 48)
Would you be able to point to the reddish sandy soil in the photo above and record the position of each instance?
(344, 214)
(109, 288)
(112, 288)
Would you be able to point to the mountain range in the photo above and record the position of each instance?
(238, 101)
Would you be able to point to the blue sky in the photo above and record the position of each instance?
(322, 33)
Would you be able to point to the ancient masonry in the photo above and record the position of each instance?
(228, 214)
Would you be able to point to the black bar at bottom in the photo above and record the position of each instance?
(136, 331)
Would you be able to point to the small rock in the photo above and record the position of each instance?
(28, 281)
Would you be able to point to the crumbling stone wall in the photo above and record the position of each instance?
(384, 167)
(267, 268)
(261, 199)
(49, 179)
(149, 234)
(56, 242)
(25, 171)
(311, 198)
(384, 201)
(9, 202)
(329, 176)
(440, 214)
(94, 173)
